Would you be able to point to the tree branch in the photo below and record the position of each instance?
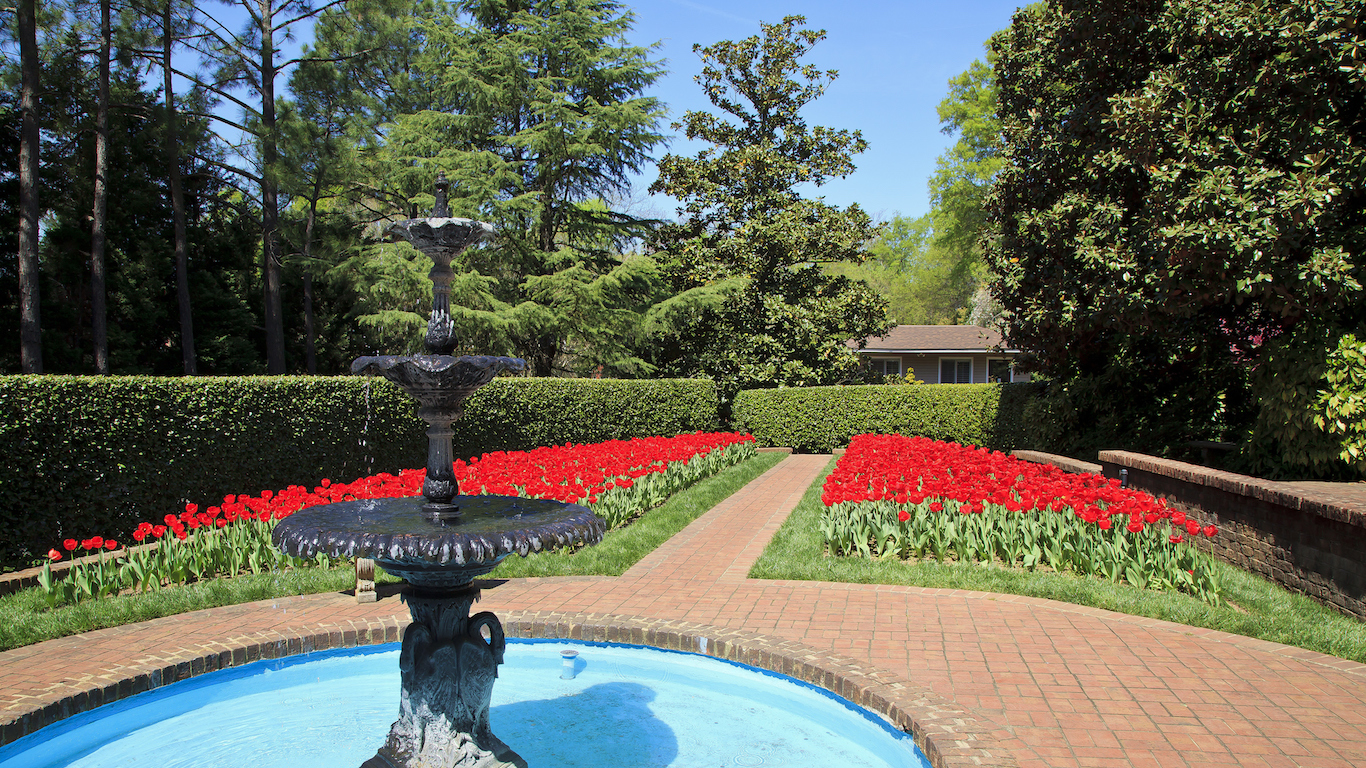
(345, 57)
(307, 15)
(231, 168)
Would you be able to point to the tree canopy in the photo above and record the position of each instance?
(1182, 199)
(755, 308)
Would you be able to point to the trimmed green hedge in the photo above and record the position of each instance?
(517, 414)
(817, 419)
(96, 455)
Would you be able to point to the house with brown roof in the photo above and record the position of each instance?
(942, 354)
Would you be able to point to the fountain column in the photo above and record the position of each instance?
(441, 542)
(440, 328)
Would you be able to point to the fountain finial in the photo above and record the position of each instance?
(441, 210)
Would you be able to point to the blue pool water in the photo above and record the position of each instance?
(627, 707)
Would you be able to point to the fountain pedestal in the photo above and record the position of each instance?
(441, 541)
(448, 665)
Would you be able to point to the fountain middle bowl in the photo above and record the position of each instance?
(438, 379)
(441, 554)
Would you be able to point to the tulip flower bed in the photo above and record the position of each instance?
(914, 498)
(618, 480)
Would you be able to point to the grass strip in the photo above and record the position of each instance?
(1268, 611)
(26, 619)
(624, 547)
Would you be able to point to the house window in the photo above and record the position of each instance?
(953, 370)
(886, 366)
(999, 372)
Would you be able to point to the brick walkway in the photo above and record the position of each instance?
(981, 679)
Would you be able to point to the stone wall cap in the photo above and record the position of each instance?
(1065, 463)
(1344, 502)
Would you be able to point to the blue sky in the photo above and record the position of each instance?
(894, 58)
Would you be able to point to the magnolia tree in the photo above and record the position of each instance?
(754, 307)
(1182, 204)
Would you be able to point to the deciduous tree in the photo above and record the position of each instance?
(1184, 183)
(756, 308)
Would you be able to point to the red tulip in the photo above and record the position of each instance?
(54, 555)
(70, 544)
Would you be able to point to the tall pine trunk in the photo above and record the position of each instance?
(30, 325)
(182, 259)
(98, 329)
(310, 347)
(270, 199)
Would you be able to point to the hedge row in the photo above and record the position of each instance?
(817, 419)
(85, 455)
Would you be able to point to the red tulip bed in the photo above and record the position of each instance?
(618, 480)
(914, 498)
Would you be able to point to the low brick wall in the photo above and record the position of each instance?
(1065, 463)
(1308, 537)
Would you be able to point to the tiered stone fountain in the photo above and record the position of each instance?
(441, 541)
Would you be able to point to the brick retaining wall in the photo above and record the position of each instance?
(1065, 463)
(1307, 537)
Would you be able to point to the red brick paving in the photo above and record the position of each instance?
(986, 678)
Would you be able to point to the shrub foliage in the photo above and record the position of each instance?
(817, 419)
(87, 455)
(1182, 185)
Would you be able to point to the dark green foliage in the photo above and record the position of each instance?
(517, 414)
(755, 308)
(1183, 183)
(818, 419)
(1313, 414)
(86, 456)
(143, 332)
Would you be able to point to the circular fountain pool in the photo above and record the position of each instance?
(626, 707)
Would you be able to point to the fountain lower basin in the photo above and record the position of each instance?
(626, 707)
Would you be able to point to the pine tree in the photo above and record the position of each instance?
(538, 118)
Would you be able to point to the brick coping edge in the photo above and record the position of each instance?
(949, 736)
(1065, 463)
(1284, 494)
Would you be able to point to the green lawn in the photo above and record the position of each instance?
(25, 618)
(1261, 609)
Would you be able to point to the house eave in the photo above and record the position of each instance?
(977, 351)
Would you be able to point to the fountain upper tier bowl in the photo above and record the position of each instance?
(441, 233)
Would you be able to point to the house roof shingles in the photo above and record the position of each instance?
(934, 338)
